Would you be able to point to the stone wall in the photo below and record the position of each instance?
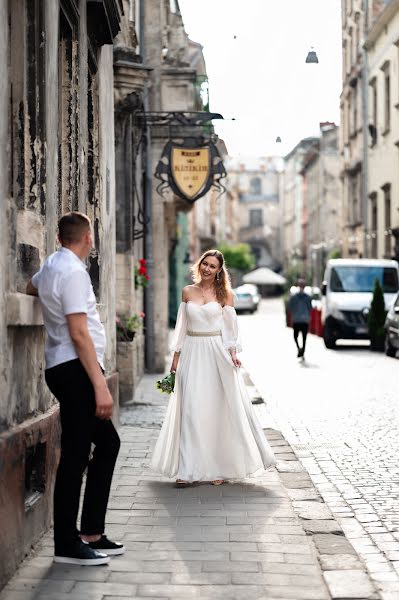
(57, 154)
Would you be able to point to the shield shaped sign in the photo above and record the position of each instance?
(190, 169)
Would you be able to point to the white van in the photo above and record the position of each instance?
(347, 293)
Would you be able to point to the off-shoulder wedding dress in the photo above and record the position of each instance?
(210, 430)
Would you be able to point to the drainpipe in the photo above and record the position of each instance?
(365, 118)
(148, 238)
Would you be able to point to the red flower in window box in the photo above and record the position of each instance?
(141, 277)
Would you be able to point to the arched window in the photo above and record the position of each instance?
(256, 186)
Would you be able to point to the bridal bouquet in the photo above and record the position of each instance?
(167, 384)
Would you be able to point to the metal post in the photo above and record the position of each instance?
(148, 238)
(365, 117)
(148, 249)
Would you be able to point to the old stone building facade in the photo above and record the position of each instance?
(357, 19)
(321, 214)
(57, 154)
(382, 45)
(292, 207)
(311, 204)
(253, 189)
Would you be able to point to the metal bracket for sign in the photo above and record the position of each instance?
(191, 141)
(175, 118)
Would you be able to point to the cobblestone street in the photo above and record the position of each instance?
(286, 535)
(339, 411)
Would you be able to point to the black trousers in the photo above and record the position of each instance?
(80, 427)
(300, 328)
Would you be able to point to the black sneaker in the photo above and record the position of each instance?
(81, 554)
(105, 545)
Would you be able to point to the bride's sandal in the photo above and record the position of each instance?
(218, 482)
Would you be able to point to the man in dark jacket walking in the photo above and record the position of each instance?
(300, 306)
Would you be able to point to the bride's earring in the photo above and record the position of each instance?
(217, 276)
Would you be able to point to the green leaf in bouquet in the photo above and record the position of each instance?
(166, 384)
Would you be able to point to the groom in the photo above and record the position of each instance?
(75, 375)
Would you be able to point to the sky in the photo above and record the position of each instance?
(255, 53)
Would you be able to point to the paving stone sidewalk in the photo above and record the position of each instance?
(271, 537)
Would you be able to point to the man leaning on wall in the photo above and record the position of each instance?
(74, 353)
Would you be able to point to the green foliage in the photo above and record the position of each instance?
(127, 325)
(377, 314)
(335, 253)
(167, 384)
(292, 275)
(238, 257)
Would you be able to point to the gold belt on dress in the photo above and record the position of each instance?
(203, 333)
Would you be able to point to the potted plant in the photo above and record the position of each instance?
(376, 318)
(127, 325)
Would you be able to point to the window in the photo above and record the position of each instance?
(387, 212)
(387, 96)
(68, 123)
(350, 53)
(374, 111)
(361, 279)
(374, 226)
(354, 199)
(35, 473)
(256, 186)
(357, 33)
(35, 86)
(354, 108)
(256, 217)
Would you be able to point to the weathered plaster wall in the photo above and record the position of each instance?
(107, 202)
(52, 22)
(4, 207)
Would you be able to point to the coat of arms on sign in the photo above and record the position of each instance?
(190, 171)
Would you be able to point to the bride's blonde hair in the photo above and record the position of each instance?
(222, 282)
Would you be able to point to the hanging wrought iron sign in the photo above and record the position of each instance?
(190, 171)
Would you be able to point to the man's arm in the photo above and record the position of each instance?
(30, 289)
(79, 332)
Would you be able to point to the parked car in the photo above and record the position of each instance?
(246, 298)
(347, 293)
(392, 329)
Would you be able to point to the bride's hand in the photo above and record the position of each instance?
(236, 361)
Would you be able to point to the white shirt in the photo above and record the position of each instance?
(65, 288)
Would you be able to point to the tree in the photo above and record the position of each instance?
(238, 257)
(376, 318)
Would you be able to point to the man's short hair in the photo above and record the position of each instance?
(72, 226)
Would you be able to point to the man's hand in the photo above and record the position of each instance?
(104, 403)
(79, 332)
(30, 289)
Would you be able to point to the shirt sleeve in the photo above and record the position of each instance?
(75, 290)
(230, 333)
(180, 329)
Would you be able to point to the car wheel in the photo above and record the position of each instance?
(328, 337)
(389, 350)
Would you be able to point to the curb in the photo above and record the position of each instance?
(344, 572)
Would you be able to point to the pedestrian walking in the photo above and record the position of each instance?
(300, 306)
(210, 432)
(74, 353)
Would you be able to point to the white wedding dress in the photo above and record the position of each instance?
(210, 430)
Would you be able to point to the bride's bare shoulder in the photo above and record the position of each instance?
(188, 292)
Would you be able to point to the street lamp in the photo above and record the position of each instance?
(312, 56)
(278, 140)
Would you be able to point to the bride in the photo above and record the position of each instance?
(210, 432)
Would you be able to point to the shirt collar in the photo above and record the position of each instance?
(72, 255)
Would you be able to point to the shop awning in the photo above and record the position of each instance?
(264, 276)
